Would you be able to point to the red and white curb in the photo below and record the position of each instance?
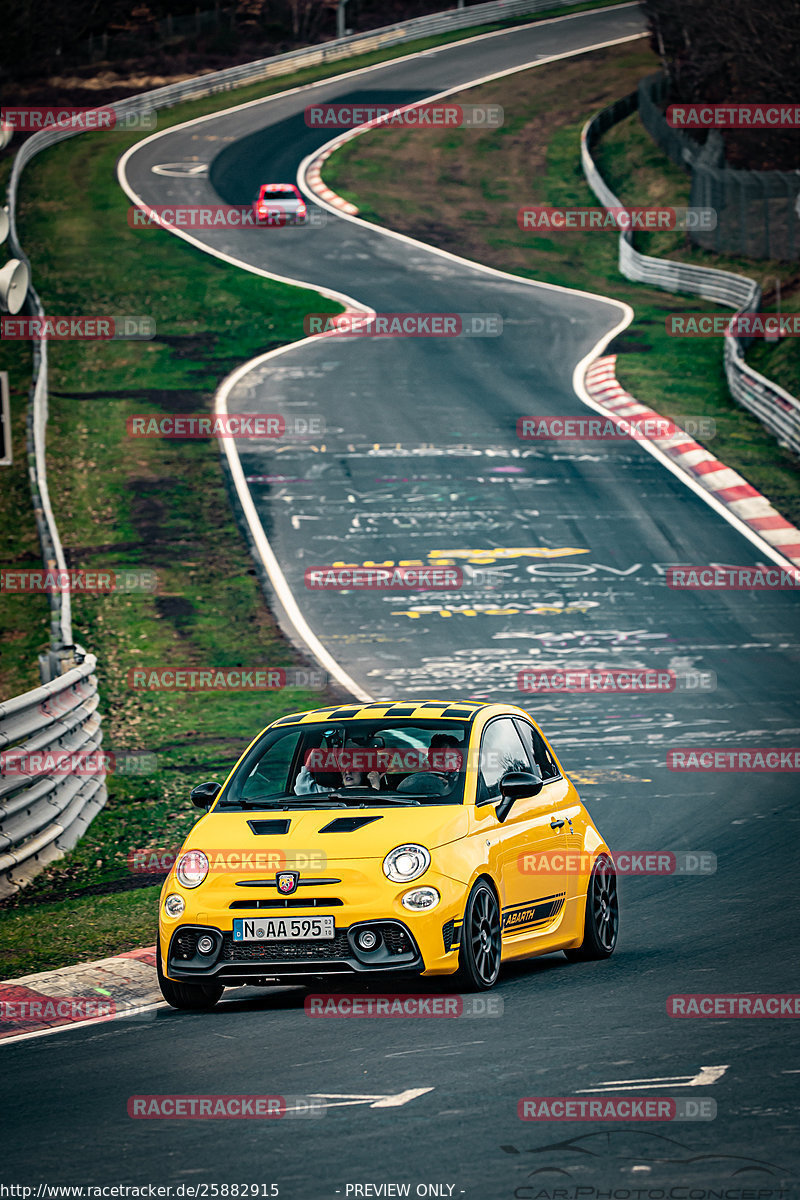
(87, 994)
(726, 485)
(316, 185)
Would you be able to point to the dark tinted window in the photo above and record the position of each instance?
(535, 745)
(501, 751)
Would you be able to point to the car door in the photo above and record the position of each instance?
(565, 807)
(529, 899)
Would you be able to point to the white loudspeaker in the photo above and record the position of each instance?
(4, 223)
(13, 285)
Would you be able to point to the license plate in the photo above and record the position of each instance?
(283, 929)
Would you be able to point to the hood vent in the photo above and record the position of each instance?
(348, 824)
(269, 827)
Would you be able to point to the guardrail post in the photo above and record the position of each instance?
(340, 22)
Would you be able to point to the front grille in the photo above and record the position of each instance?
(396, 939)
(447, 934)
(323, 951)
(288, 902)
(185, 944)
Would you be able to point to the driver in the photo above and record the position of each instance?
(306, 784)
(433, 782)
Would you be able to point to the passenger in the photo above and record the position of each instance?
(306, 784)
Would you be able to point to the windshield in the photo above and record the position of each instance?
(353, 764)
(279, 194)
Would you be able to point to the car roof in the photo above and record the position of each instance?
(449, 710)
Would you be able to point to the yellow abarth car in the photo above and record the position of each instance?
(417, 838)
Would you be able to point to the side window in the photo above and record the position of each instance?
(501, 751)
(539, 754)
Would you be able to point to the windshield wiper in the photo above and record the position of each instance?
(362, 796)
(286, 802)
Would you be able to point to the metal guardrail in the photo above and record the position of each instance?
(775, 408)
(40, 818)
(43, 815)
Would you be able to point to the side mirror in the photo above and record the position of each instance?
(204, 795)
(515, 785)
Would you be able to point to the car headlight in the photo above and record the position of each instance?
(192, 868)
(174, 905)
(420, 899)
(405, 863)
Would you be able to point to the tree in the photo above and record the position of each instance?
(718, 51)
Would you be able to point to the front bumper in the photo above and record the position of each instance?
(355, 893)
(249, 962)
(283, 218)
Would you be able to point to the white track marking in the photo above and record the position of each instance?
(704, 1077)
(345, 1099)
(261, 541)
(179, 170)
(428, 1049)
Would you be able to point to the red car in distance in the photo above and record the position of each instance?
(280, 204)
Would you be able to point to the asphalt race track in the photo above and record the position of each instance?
(420, 455)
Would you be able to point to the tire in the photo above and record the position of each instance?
(601, 925)
(193, 996)
(479, 957)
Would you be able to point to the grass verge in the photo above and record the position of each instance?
(466, 201)
(91, 927)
